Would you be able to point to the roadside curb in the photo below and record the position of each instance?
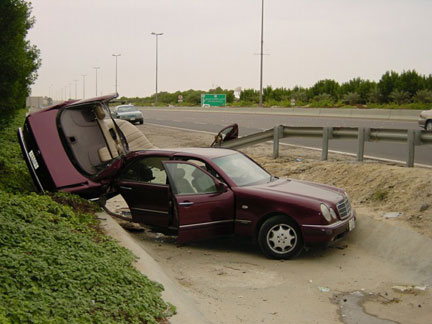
(410, 250)
(187, 311)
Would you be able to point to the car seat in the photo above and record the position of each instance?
(182, 185)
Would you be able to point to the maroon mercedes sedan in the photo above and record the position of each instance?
(198, 193)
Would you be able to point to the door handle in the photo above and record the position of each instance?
(125, 188)
(186, 203)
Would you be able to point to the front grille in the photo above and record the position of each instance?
(344, 208)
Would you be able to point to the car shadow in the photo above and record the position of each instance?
(232, 244)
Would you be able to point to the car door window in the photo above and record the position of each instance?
(149, 170)
(205, 166)
(189, 179)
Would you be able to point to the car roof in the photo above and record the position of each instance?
(208, 152)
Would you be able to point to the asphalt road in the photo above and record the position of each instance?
(249, 123)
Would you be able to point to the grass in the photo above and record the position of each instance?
(55, 264)
(379, 195)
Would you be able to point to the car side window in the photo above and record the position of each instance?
(206, 167)
(149, 170)
(189, 179)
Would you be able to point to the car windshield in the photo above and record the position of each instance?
(126, 108)
(242, 170)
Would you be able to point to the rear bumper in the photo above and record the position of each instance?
(30, 164)
(321, 234)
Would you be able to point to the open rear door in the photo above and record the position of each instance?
(204, 205)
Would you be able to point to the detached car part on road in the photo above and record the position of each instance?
(196, 193)
(425, 120)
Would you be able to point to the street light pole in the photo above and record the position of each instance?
(157, 35)
(75, 88)
(116, 56)
(262, 54)
(96, 69)
(83, 76)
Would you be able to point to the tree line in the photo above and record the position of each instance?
(19, 60)
(408, 89)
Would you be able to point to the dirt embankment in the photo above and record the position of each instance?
(382, 188)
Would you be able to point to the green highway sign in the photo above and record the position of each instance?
(213, 100)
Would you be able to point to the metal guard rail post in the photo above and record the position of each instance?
(362, 134)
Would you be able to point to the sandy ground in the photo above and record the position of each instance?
(232, 282)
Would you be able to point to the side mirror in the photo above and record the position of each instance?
(226, 134)
(221, 187)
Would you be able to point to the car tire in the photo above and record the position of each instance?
(280, 238)
(141, 122)
(428, 126)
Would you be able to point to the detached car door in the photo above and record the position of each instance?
(204, 206)
(143, 184)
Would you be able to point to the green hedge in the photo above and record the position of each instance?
(14, 176)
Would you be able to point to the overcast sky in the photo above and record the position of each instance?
(209, 43)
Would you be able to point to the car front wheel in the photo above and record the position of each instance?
(428, 126)
(280, 238)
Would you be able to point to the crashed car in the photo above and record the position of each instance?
(425, 120)
(196, 193)
(129, 113)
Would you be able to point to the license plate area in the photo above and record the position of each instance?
(351, 224)
(33, 160)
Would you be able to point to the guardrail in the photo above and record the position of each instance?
(352, 113)
(411, 137)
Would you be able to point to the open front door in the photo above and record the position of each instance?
(204, 205)
(143, 184)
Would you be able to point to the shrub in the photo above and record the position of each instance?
(14, 175)
(351, 98)
(55, 269)
(423, 96)
(399, 96)
(323, 100)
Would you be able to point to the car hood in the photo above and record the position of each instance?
(426, 114)
(304, 189)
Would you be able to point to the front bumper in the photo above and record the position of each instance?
(422, 122)
(317, 234)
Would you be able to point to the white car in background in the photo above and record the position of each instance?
(425, 120)
(128, 112)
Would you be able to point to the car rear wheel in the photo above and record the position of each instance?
(428, 126)
(280, 238)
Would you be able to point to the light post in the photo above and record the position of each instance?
(96, 69)
(157, 35)
(75, 88)
(116, 56)
(262, 54)
(83, 76)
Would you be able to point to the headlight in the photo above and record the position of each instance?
(332, 213)
(347, 196)
(325, 212)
